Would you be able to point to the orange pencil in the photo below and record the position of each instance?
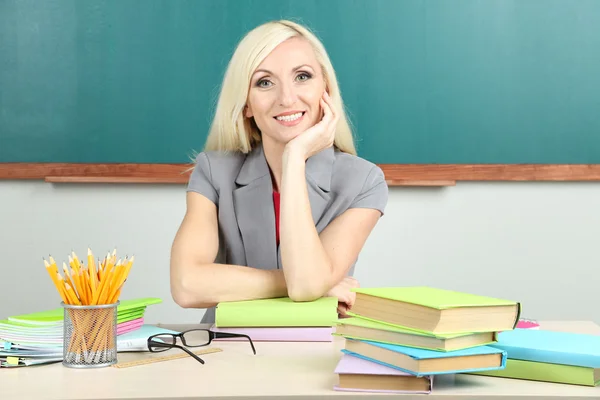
(68, 279)
(121, 281)
(92, 271)
(52, 272)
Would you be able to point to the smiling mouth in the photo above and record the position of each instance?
(291, 117)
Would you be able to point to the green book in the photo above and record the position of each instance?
(365, 329)
(546, 372)
(55, 316)
(435, 310)
(277, 312)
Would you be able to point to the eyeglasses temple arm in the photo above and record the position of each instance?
(224, 335)
(191, 354)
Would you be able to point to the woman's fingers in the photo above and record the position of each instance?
(342, 309)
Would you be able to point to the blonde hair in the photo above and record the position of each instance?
(231, 130)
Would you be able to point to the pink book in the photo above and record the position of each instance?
(129, 326)
(525, 323)
(283, 334)
(385, 379)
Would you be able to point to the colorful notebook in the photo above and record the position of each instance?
(25, 339)
(421, 362)
(277, 312)
(365, 329)
(435, 310)
(138, 340)
(280, 334)
(358, 375)
(551, 347)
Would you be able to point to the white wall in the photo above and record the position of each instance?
(532, 242)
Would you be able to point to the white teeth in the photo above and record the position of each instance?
(289, 118)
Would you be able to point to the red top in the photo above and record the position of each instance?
(276, 204)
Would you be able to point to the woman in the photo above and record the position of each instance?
(278, 204)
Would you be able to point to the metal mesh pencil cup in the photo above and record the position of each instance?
(90, 335)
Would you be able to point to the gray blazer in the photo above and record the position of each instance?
(241, 187)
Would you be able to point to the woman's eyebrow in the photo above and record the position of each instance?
(271, 73)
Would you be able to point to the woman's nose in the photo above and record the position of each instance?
(287, 95)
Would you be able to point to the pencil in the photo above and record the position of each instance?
(52, 272)
(98, 283)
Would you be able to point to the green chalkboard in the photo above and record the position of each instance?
(425, 81)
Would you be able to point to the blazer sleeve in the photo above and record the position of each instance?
(201, 179)
(374, 193)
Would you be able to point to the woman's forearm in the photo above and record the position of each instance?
(203, 286)
(306, 266)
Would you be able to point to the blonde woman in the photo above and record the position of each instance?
(278, 203)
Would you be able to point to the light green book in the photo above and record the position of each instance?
(436, 311)
(55, 316)
(364, 329)
(277, 312)
(546, 372)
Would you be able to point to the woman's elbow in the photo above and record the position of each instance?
(305, 293)
(187, 296)
(180, 295)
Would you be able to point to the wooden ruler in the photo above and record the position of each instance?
(150, 360)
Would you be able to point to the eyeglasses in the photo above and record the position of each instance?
(190, 338)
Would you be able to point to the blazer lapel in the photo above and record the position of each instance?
(253, 205)
(318, 181)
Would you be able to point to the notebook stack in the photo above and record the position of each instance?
(37, 338)
(548, 356)
(278, 319)
(421, 332)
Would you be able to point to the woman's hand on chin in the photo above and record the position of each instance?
(318, 137)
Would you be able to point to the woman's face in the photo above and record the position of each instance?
(285, 91)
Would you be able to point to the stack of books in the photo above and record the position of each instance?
(278, 319)
(421, 332)
(548, 356)
(37, 338)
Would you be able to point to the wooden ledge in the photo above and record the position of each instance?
(408, 182)
(429, 175)
(116, 179)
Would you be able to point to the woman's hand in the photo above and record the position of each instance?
(345, 297)
(318, 137)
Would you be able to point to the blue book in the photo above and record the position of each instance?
(422, 362)
(551, 347)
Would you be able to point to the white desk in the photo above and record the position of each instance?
(279, 370)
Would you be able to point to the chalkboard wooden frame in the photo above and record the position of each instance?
(396, 174)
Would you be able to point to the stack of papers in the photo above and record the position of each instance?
(37, 338)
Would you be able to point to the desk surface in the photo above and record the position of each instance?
(298, 370)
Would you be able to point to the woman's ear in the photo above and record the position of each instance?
(248, 112)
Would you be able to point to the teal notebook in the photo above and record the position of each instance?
(551, 347)
(422, 362)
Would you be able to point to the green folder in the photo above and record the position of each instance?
(55, 316)
(546, 372)
(277, 312)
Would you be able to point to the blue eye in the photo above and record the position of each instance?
(304, 74)
(260, 83)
